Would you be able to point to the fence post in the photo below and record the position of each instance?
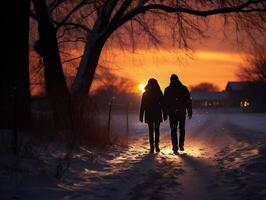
(15, 130)
(127, 113)
(109, 118)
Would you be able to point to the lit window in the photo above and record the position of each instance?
(244, 104)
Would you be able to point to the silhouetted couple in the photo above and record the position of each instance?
(175, 103)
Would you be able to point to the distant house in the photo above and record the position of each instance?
(249, 96)
(208, 99)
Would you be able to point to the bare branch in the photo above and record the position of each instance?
(204, 13)
(71, 59)
(78, 25)
(55, 4)
(121, 10)
(254, 68)
(77, 7)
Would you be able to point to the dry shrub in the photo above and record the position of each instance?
(5, 141)
(89, 124)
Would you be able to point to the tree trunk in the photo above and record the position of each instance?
(87, 68)
(82, 84)
(15, 91)
(92, 52)
(56, 86)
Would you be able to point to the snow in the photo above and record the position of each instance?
(224, 158)
(255, 122)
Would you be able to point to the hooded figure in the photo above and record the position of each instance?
(152, 107)
(177, 102)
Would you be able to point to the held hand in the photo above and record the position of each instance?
(165, 114)
(189, 115)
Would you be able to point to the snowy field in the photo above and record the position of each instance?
(224, 158)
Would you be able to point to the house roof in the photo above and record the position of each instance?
(241, 85)
(208, 95)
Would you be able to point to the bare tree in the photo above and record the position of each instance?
(107, 81)
(254, 68)
(36, 69)
(127, 20)
(204, 87)
(15, 106)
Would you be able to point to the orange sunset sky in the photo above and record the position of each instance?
(202, 66)
(214, 59)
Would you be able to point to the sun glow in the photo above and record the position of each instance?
(160, 64)
(141, 87)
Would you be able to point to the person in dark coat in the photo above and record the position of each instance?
(178, 104)
(152, 107)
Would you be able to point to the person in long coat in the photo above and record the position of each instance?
(177, 101)
(152, 108)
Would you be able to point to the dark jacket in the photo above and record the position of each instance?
(152, 106)
(177, 100)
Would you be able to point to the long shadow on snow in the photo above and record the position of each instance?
(161, 181)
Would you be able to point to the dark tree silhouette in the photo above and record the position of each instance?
(47, 46)
(15, 104)
(108, 81)
(128, 20)
(204, 87)
(254, 68)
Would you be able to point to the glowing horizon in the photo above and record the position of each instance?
(141, 87)
(206, 66)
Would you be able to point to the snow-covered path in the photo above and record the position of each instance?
(214, 165)
(224, 158)
(219, 147)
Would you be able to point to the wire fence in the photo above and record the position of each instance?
(117, 119)
(113, 117)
